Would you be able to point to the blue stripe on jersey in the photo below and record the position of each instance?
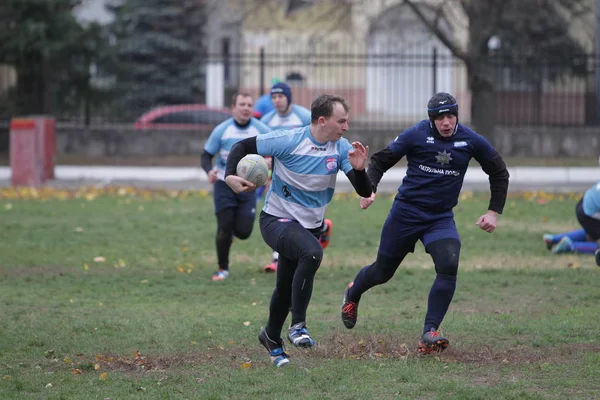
(306, 199)
(225, 135)
(304, 173)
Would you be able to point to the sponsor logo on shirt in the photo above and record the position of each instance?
(430, 139)
(316, 148)
(331, 163)
(439, 171)
(443, 157)
(460, 144)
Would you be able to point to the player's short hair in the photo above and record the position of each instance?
(238, 94)
(323, 105)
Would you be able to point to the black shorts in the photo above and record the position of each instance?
(590, 225)
(224, 198)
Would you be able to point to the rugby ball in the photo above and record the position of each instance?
(253, 168)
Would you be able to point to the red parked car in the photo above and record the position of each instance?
(183, 116)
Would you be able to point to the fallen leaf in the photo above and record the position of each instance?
(86, 267)
(49, 385)
(79, 229)
(246, 365)
(103, 376)
(8, 206)
(77, 371)
(99, 259)
(247, 323)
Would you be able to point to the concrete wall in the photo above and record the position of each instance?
(123, 140)
(510, 141)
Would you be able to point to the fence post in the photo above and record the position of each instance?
(434, 69)
(262, 71)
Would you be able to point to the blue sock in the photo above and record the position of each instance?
(440, 297)
(576, 236)
(585, 247)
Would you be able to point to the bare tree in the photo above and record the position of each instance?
(529, 30)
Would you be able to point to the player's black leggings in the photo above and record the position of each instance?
(231, 223)
(300, 255)
(445, 254)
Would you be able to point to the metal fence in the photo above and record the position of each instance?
(386, 89)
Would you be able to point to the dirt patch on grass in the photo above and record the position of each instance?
(563, 354)
(339, 346)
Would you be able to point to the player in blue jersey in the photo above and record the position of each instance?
(235, 211)
(438, 152)
(306, 163)
(287, 115)
(586, 240)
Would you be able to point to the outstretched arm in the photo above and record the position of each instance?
(357, 176)
(381, 161)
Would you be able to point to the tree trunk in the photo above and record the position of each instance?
(483, 102)
(30, 90)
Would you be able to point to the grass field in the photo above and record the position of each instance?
(107, 294)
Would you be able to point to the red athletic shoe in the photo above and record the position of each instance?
(272, 267)
(326, 235)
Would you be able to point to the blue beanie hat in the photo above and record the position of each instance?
(284, 89)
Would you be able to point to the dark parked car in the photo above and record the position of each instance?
(183, 116)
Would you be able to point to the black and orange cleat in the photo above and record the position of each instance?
(432, 342)
(349, 309)
(326, 234)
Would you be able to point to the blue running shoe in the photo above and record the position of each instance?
(564, 246)
(220, 275)
(549, 240)
(299, 336)
(279, 358)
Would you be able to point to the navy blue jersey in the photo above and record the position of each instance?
(436, 170)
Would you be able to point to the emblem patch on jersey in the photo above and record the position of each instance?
(460, 144)
(443, 157)
(331, 163)
(429, 139)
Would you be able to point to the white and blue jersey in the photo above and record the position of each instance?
(591, 202)
(296, 117)
(304, 174)
(225, 135)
